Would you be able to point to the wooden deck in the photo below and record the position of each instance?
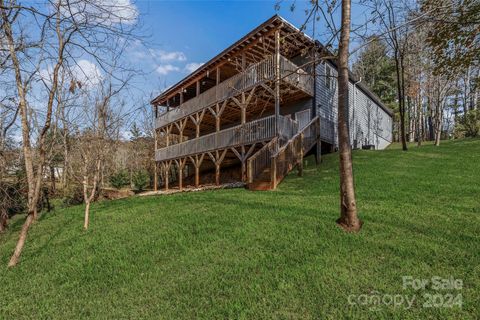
(257, 74)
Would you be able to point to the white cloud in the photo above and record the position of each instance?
(105, 12)
(190, 67)
(87, 72)
(166, 56)
(166, 69)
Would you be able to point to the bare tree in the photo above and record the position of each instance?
(68, 30)
(395, 26)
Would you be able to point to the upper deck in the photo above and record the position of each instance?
(259, 74)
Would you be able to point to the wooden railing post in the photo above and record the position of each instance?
(318, 138)
(155, 177)
(300, 158)
(249, 171)
(273, 173)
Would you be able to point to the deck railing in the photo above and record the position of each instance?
(303, 118)
(257, 163)
(291, 154)
(255, 74)
(261, 160)
(249, 133)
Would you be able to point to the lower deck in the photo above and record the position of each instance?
(230, 161)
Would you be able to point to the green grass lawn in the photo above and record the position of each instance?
(266, 255)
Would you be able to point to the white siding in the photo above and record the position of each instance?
(369, 123)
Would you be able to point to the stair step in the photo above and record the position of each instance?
(259, 185)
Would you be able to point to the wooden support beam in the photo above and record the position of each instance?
(180, 165)
(155, 177)
(197, 162)
(181, 126)
(166, 170)
(243, 156)
(300, 156)
(197, 119)
(168, 130)
(318, 155)
(198, 88)
(217, 113)
(217, 160)
(273, 173)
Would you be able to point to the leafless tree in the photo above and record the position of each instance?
(65, 31)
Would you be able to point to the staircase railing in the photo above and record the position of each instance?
(291, 154)
(262, 158)
(257, 163)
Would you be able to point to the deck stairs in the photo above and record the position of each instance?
(272, 163)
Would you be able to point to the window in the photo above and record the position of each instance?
(328, 76)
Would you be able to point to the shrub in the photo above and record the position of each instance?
(469, 125)
(73, 195)
(140, 179)
(119, 180)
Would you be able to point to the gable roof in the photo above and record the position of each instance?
(274, 22)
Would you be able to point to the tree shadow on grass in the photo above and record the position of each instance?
(60, 228)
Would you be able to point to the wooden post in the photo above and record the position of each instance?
(249, 169)
(300, 160)
(217, 160)
(197, 119)
(198, 87)
(277, 80)
(243, 156)
(180, 165)
(181, 96)
(273, 173)
(155, 177)
(217, 174)
(243, 109)
(197, 162)
(181, 127)
(167, 138)
(318, 157)
(166, 168)
(217, 123)
(218, 113)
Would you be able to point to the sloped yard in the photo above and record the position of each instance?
(265, 255)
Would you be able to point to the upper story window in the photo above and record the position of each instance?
(328, 76)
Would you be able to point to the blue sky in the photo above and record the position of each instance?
(184, 34)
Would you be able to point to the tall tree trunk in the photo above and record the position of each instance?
(34, 179)
(438, 122)
(21, 240)
(3, 219)
(401, 99)
(348, 208)
(86, 220)
(419, 121)
(52, 179)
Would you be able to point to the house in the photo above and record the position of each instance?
(253, 111)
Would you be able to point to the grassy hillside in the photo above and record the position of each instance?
(242, 254)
